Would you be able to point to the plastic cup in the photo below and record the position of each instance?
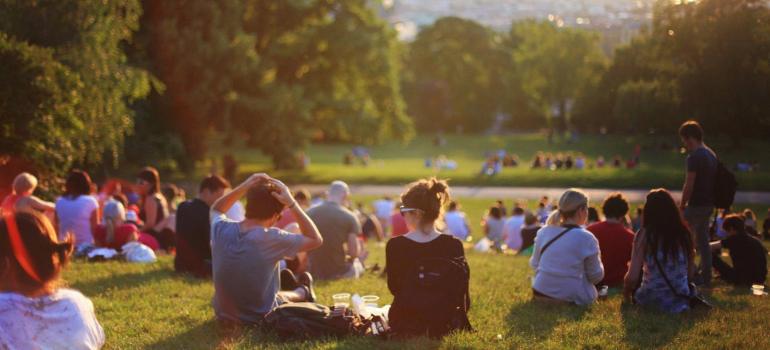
(341, 299)
(371, 301)
(758, 289)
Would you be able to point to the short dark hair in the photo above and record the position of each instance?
(615, 206)
(734, 222)
(78, 184)
(593, 214)
(453, 205)
(213, 183)
(495, 212)
(302, 195)
(691, 129)
(260, 203)
(518, 210)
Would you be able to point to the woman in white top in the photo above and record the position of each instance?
(456, 223)
(34, 312)
(566, 257)
(77, 212)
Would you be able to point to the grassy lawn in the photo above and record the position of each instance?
(397, 163)
(148, 306)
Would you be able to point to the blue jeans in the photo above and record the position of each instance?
(699, 218)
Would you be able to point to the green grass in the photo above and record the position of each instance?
(398, 163)
(149, 306)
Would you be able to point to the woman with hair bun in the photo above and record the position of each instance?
(427, 271)
(34, 312)
(566, 257)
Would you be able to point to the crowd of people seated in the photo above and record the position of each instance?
(272, 250)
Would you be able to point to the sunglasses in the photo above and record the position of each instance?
(405, 210)
(141, 182)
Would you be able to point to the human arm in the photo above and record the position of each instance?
(689, 182)
(150, 207)
(39, 204)
(631, 281)
(354, 247)
(94, 218)
(715, 246)
(311, 237)
(593, 262)
(393, 266)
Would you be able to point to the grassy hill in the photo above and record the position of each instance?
(397, 163)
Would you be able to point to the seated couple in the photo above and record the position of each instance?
(246, 257)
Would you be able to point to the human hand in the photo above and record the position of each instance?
(283, 194)
(256, 178)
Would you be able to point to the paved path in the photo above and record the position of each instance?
(597, 194)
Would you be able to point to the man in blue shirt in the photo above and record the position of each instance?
(245, 254)
(698, 194)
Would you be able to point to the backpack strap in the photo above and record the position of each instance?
(542, 251)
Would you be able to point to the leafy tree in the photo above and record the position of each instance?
(454, 70)
(647, 106)
(554, 65)
(86, 37)
(39, 101)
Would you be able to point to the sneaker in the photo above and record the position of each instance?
(306, 279)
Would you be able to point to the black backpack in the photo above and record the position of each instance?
(310, 320)
(725, 186)
(436, 294)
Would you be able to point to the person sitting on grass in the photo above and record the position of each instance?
(494, 224)
(21, 199)
(456, 222)
(512, 228)
(340, 229)
(528, 233)
(77, 212)
(663, 250)
(615, 240)
(417, 309)
(766, 226)
(246, 255)
(153, 207)
(35, 313)
(193, 228)
(566, 257)
(748, 254)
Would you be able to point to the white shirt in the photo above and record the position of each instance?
(456, 224)
(570, 266)
(62, 320)
(512, 230)
(383, 208)
(74, 216)
(236, 212)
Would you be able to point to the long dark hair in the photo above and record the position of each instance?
(150, 175)
(665, 227)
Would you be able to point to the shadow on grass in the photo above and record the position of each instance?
(131, 280)
(211, 334)
(647, 327)
(538, 319)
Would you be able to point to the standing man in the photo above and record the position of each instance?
(339, 228)
(698, 194)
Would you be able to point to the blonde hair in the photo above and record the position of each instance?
(24, 182)
(570, 202)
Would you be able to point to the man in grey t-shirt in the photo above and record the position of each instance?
(340, 229)
(245, 254)
(698, 193)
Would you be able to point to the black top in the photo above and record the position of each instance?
(749, 258)
(193, 247)
(401, 253)
(703, 162)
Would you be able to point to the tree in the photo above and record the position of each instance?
(86, 37)
(454, 69)
(554, 65)
(647, 106)
(39, 102)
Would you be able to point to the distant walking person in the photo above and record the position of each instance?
(698, 194)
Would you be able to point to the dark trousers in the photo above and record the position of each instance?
(726, 272)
